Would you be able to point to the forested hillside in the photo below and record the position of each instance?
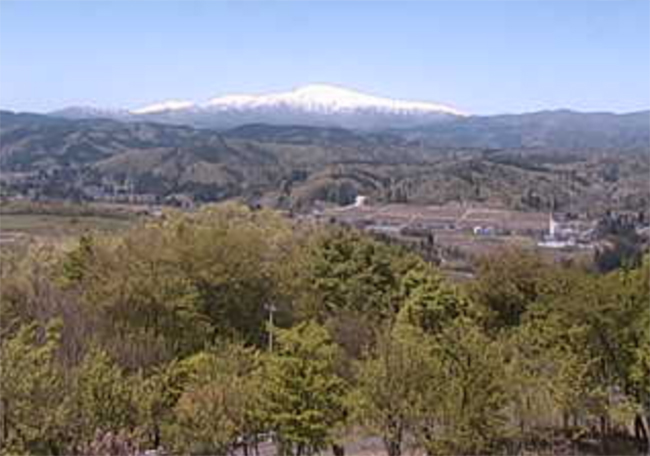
(209, 332)
(546, 161)
(558, 129)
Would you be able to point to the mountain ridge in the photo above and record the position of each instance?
(314, 104)
(501, 160)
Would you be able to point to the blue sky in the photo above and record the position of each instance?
(483, 57)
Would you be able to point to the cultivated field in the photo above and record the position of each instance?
(461, 233)
(55, 221)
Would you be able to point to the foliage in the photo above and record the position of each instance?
(428, 302)
(341, 269)
(79, 158)
(469, 412)
(393, 382)
(303, 396)
(103, 397)
(173, 285)
(217, 404)
(156, 397)
(33, 419)
(507, 284)
(158, 337)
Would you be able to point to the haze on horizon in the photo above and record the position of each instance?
(480, 57)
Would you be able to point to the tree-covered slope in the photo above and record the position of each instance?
(534, 160)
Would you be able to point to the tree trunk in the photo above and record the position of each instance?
(393, 437)
(393, 447)
(641, 434)
(5, 421)
(604, 434)
(338, 450)
(156, 436)
(54, 449)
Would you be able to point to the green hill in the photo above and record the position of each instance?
(494, 160)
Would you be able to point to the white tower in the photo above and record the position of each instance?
(360, 201)
(552, 227)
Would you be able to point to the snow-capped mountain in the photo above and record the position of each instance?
(171, 105)
(317, 104)
(326, 99)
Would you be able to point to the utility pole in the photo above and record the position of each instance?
(271, 308)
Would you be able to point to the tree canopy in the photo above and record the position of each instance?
(159, 337)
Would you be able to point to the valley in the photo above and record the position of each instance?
(455, 190)
(252, 228)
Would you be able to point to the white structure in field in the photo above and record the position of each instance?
(559, 235)
(553, 227)
(360, 201)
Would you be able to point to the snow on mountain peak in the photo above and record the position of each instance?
(326, 99)
(171, 105)
(313, 98)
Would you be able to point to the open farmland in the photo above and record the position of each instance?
(57, 225)
(54, 222)
(459, 233)
(454, 218)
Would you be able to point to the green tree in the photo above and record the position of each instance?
(171, 286)
(303, 396)
(342, 269)
(428, 302)
(507, 284)
(546, 379)
(231, 255)
(34, 411)
(393, 384)
(218, 406)
(470, 414)
(594, 325)
(76, 261)
(103, 398)
(156, 395)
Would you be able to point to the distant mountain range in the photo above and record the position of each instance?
(316, 105)
(559, 129)
(521, 161)
(327, 143)
(330, 106)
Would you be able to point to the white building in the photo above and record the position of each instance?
(559, 236)
(360, 201)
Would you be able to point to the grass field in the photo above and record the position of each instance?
(52, 226)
